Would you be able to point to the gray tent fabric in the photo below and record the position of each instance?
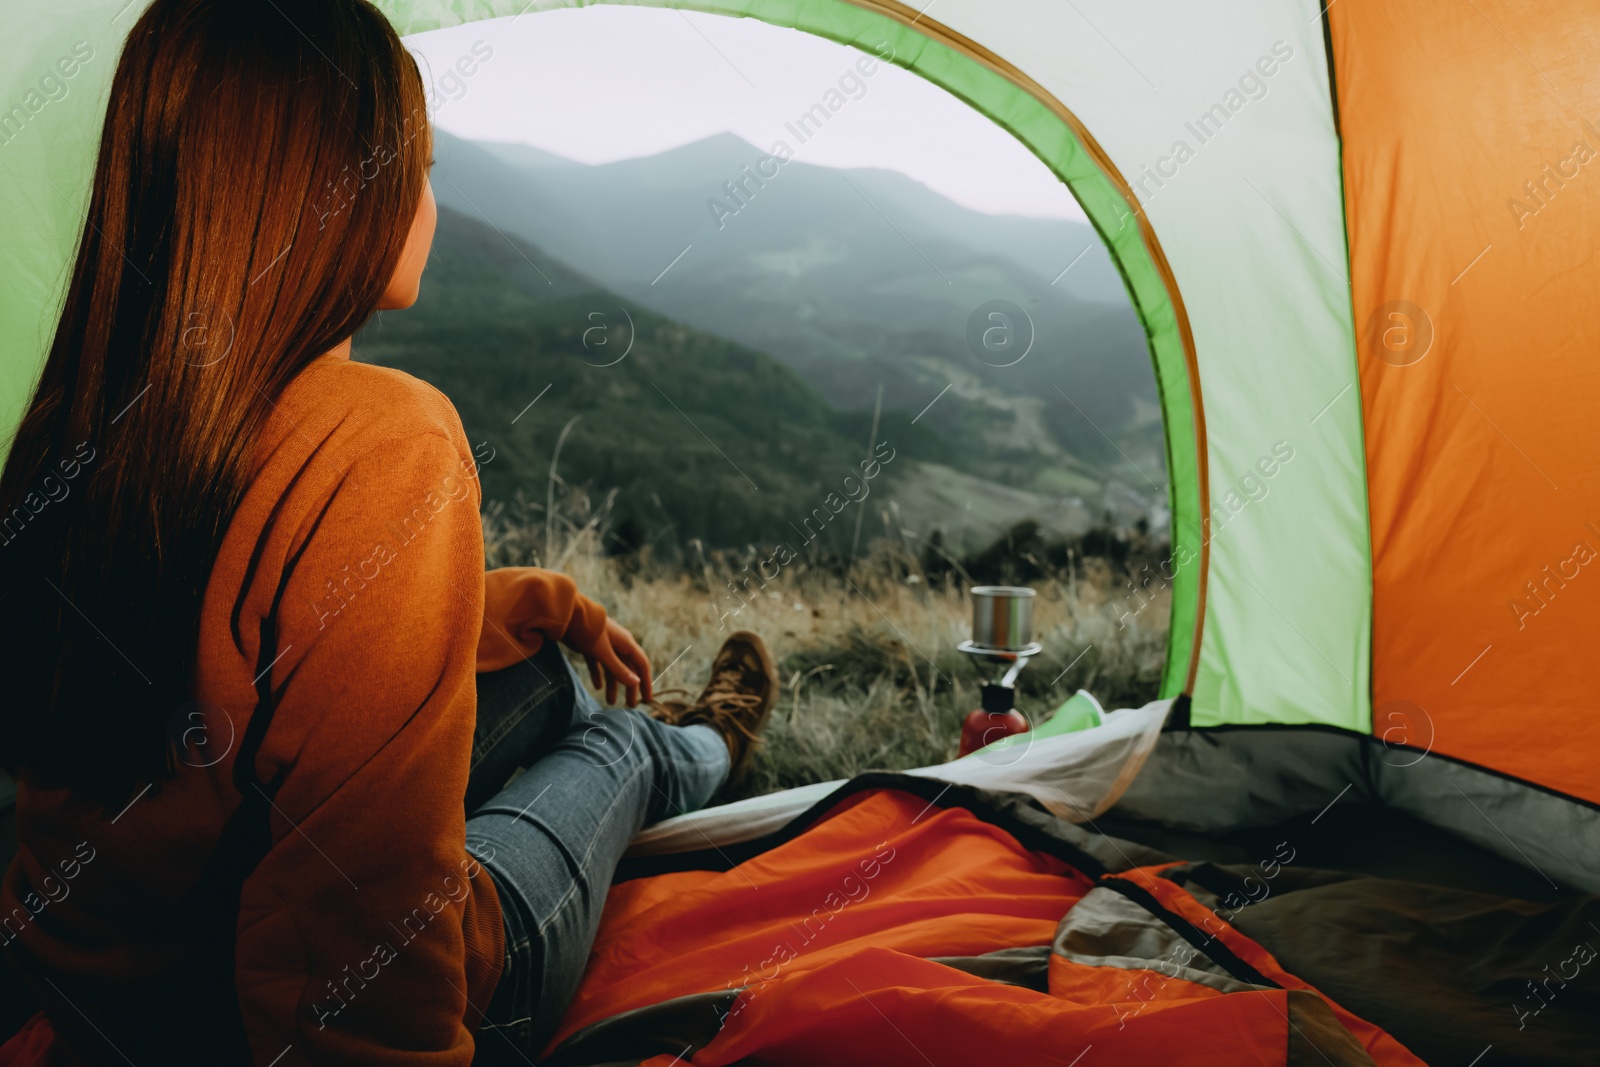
(1554, 836)
(1452, 974)
(1219, 780)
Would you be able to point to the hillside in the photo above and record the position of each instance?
(857, 280)
(701, 437)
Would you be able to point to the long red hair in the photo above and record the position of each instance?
(259, 167)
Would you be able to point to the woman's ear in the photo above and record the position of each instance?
(403, 287)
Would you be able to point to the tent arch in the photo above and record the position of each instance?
(1018, 104)
(1272, 599)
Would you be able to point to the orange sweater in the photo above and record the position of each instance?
(343, 622)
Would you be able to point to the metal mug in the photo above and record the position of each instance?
(1002, 617)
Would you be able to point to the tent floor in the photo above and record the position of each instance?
(1357, 838)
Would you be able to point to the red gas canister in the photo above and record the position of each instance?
(996, 719)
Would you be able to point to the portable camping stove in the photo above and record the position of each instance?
(1002, 640)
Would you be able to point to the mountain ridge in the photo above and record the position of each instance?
(691, 435)
(814, 272)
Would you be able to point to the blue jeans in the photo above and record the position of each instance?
(551, 839)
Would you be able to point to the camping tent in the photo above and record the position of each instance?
(1359, 238)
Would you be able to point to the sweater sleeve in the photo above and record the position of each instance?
(525, 606)
(368, 935)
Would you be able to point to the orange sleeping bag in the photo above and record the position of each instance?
(849, 943)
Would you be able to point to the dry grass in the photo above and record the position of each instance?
(868, 662)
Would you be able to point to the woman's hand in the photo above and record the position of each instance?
(623, 663)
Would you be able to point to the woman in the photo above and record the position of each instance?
(255, 821)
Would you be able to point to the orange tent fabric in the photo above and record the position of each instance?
(1472, 235)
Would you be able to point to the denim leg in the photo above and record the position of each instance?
(523, 713)
(551, 841)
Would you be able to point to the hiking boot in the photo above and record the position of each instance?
(735, 703)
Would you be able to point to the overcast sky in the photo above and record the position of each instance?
(605, 83)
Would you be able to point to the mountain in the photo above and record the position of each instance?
(699, 437)
(644, 210)
(860, 281)
(524, 155)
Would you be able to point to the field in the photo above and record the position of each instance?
(866, 650)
